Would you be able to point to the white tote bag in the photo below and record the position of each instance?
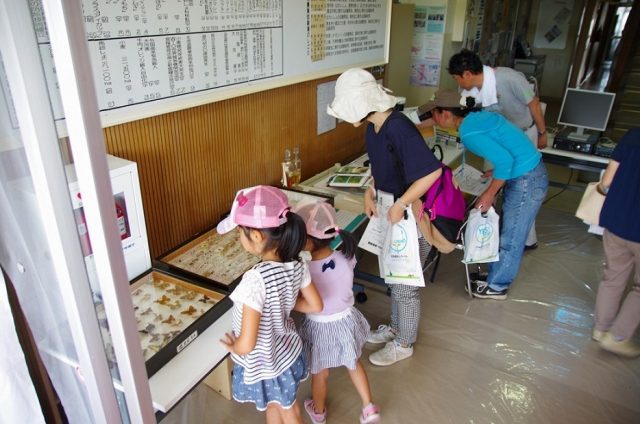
(400, 257)
(482, 237)
(591, 205)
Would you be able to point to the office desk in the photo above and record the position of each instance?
(573, 160)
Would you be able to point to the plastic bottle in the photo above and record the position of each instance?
(296, 172)
(287, 166)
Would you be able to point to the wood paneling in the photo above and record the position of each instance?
(192, 162)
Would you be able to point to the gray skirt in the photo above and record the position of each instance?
(332, 341)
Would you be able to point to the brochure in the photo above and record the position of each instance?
(345, 180)
(470, 180)
(353, 170)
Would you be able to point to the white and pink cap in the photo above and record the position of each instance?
(319, 218)
(256, 207)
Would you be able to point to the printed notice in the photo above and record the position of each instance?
(147, 50)
(342, 28)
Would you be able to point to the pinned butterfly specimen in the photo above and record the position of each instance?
(148, 329)
(169, 320)
(174, 305)
(189, 311)
(147, 311)
(163, 300)
(189, 296)
(177, 290)
(161, 284)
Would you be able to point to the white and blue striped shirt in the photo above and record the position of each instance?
(270, 288)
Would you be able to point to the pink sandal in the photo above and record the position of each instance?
(316, 417)
(370, 414)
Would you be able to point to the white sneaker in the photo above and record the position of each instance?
(391, 353)
(597, 335)
(623, 347)
(383, 334)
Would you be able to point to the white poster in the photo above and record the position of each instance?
(325, 94)
(553, 24)
(428, 40)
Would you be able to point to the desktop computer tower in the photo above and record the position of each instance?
(566, 140)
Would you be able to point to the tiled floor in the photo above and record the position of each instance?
(528, 359)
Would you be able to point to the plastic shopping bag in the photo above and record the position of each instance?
(400, 259)
(481, 237)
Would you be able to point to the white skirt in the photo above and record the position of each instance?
(332, 343)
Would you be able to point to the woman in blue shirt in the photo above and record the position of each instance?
(518, 171)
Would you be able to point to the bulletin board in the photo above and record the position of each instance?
(151, 57)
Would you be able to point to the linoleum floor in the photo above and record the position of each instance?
(529, 359)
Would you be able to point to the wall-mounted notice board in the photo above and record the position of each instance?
(156, 56)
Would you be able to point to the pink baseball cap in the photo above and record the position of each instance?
(256, 207)
(320, 219)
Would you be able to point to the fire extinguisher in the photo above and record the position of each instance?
(122, 222)
(83, 232)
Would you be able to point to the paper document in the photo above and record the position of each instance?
(373, 238)
(412, 114)
(344, 218)
(470, 180)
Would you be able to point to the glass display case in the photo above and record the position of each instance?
(170, 311)
(219, 259)
(215, 259)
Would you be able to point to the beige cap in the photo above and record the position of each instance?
(357, 94)
(444, 99)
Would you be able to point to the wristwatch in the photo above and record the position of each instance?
(543, 132)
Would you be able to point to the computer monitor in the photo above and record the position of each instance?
(585, 109)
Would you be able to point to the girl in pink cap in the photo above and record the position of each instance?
(333, 337)
(264, 344)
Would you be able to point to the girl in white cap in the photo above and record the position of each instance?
(401, 164)
(264, 344)
(334, 337)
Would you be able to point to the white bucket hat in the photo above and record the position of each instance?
(358, 94)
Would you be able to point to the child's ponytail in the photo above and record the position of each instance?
(349, 244)
(288, 239)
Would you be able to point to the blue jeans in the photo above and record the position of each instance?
(522, 198)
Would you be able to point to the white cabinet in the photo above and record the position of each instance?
(128, 205)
